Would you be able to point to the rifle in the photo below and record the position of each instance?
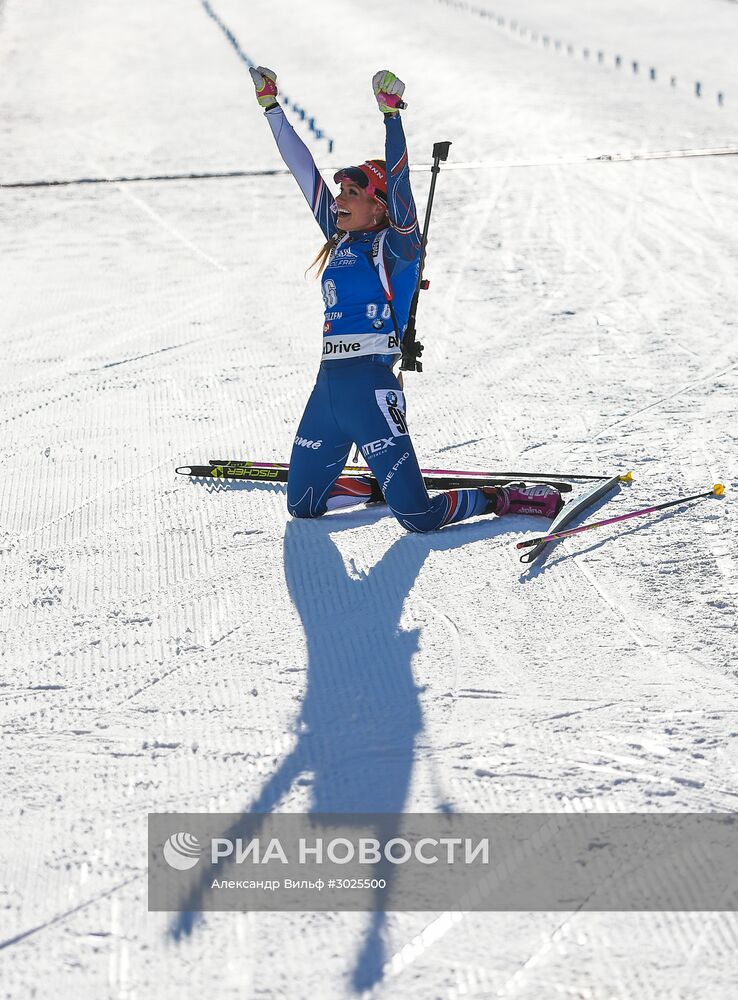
(411, 348)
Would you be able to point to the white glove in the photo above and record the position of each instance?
(388, 90)
(265, 81)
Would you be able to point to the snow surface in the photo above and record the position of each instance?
(174, 647)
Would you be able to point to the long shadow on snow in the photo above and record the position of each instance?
(361, 712)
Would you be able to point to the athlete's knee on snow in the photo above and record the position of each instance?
(299, 511)
(417, 524)
(416, 529)
(303, 506)
(303, 510)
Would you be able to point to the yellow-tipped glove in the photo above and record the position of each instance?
(265, 82)
(388, 90)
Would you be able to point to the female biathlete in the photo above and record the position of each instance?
(370, 270)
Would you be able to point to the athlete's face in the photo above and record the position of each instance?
(356, 209)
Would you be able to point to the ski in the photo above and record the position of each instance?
(569, 511)
(543, 477)
(278, 473)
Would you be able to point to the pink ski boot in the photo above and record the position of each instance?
(517, 498)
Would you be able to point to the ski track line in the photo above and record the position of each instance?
(437, 928)
(90, 500)
(574, 230)
(65, 376)
(516, 981)
(175, 805)
(82, 504)
(565, 286)
(702, 236)
(647, 646)
(623, 224)
(566, 276)
(162, 367)
(664, 399)
(470, 244)
(57, 374)
(652, 323)
(60, 917)
(656, 222)
(177, 314)
(639, 244)
(213, 587)
(694, 289)
(455, 635)
(432, 933)
(671, 233)
(121, 484)
(717, 221)
(560, 237)
(146, 209)
(45, 327)
(710, 920)
(520, 316)
(670, 213)
(666, 276)
(725, 563)
(614, 607)
(184, 658)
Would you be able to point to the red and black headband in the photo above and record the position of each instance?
(370, 177)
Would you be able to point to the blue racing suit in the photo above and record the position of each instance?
(357, 397)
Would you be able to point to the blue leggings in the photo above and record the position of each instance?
(360, 400)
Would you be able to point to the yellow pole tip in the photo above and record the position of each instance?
(627, 477)
(718, 489)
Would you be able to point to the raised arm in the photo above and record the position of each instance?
(294, 152)
(404, 235)
(403, 239)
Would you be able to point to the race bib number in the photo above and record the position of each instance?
(372, 310)
(392, 405)
(330, 295)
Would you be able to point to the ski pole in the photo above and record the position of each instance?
(717, 491)
(412, 349)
